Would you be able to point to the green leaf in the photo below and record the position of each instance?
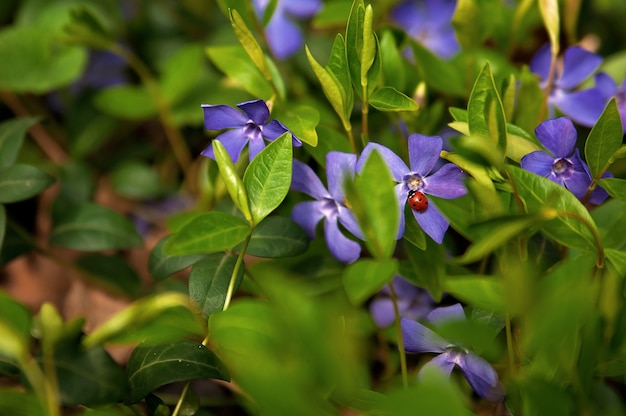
(152, 366)
(92, 227)
(616, 187)
(3, 224)
(113, 271)
(38, 61)
(392, 62)
(414, 234)
(483, 292)
(338, 66)
(209, 280)
(15, 339)
(137, 180)
(369, 46)
(301, 120)
(126, 101)
(529, 93)
(188, 60)
(485, 113)
(161, 265)
(426, 267)
(17, 403)
(249, 43)
(438, 74)
(231, 178)
(20, 182)
(207, 233)
(375, 205)
(390, 99)
(268, 177)
(604, 140)
(12, 134)
(540, 193)
(610, 218)
(354, 42)
(550, 14)
(468, 22)
(276, 237)
(366, 277)
(234, 62)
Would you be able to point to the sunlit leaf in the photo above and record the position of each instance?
(234, 183)
(390, 99)
(550, 14)
(249, 43)
(604, 140)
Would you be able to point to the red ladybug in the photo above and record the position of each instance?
(417, 201)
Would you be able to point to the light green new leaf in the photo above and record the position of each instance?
(207, 233)
(354, 42)
(392, 62)
(604, 140)
(338, 66)
(14, 332)
(268, 177)
(390, 99)
(249, 43)
(231, 178)
(365, 277)
(209, 280)
(616, 187)
(302, 121)
(12, 134)
(20, 182)
(368, 52)
(152, 366)
(550, 14)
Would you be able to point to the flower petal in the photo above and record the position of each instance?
(441, 363)
(443, 42)
(402, 195)
(540, 63)
(578, 183)
(538, 162)
(273, 130)
(233, 141)
(432, 222)
(411, 16)
(339, 167)
(341, 247)
(444, 314)
(578, 65)
(303, 179)
(558, 136)
(255, 146)
(382, 311)
(347, 219)
(418, 338)
(302, 9)
(481, 376)
(307, 215)
(256, 110)
(218, 117)
(599, 195)
(446, 183)
(283, 36)
(584, 106)
(440, 12)
(606, 85)
(424, 152)
(395, 164)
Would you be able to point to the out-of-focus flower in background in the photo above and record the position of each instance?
(413, 303)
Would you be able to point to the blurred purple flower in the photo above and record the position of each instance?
(250, 127)
(582, 106)
(413, 302)
(608, 89)
(328, 204)
(446, 182)
(430, 23)
(283, 34)
(478, 372)
(563, 164)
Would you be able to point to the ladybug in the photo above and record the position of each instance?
(417, 201)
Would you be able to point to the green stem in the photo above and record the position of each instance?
(401, 352)
(181, 399)
(46, 393)
(509, 344)
(364, 118)
(351, 139)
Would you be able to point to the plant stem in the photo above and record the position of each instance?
(233, 277)
(40, 384)
(401, 352)
(509, 343)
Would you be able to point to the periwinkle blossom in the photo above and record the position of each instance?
(329, 205)
(420, 176)
(608, 88)
(413, 302)
(563, 164)
(478, 372)
(430, 23)
(582, 106)
(252, 127)
(283, 34)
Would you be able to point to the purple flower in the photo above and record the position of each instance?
(563, 164)
(430, 23)
(413, 302)
(328, 205)
(446, 182)
(582, 106)
(250, 127)
(608, 89)
(478, 372)
(283, 35)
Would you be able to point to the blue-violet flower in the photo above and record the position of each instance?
(413, 302)
(478, 372)
(283, 35)
(446, 182)
(608, 89)
(328, 205)
(251, 126)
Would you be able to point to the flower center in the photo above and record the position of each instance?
(562, 167)
(252, 130)
(414, 182)
(329, 207)
(456, 353)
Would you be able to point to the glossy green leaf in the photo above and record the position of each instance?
(126, 101)
(338, 66)
(276, 237)
(112, 271)
(369, 46)
(529, 93)
(375, 205)
(161, 265)
(483, 292)
(92, 227)
(604, 140)
(540, 193)
(301, 120)
(365, 277)
(207, 233)
(12, 134)
(610, 218)
(414, 234)
(550, 13)
(354, 42)
(268, 177)
(234, 183)
(137, 180)
(234, 62)
(249, 43)
(390, 99)
(615, 187)
(20, 182)
(209, 280)
(438, 74)
(152, 366)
